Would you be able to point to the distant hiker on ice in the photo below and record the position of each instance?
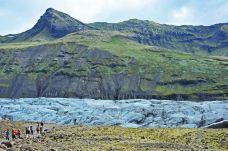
(75, 121)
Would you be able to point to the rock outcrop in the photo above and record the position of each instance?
(221, 124)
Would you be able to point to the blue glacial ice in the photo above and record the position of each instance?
(125, 113)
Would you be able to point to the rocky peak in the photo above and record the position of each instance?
(58, 24)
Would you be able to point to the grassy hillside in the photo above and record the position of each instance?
(212, 40)
(159, 72)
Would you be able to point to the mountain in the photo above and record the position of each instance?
(108, 62)
(53, 24)
(212, 40)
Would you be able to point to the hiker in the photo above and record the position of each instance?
(18, 133)
(42, 124)
(38, 130)
(26, 132)
(41, 129)
(31, 130)
(14, 133)
(7, 134)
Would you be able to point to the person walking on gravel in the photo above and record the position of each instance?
(14, 133)
(38, 130)
(18, 133)
(41, 130)
(31, 130)
(27, 132)
(7, 134)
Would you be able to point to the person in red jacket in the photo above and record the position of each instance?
(14, 133)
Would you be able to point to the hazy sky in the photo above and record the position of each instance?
(19, 15)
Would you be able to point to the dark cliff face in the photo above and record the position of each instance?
(78, 71)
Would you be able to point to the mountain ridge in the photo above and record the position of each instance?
(207, 40)
(129, 60)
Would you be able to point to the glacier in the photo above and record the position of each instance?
(125, 113)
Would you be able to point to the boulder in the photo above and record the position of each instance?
(7, 144)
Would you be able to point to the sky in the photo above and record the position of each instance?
(19, 15)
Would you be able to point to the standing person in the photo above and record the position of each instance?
(27, 132)
(41, 130)
(42, 124)
(7, 134)
(18, 133)
(38, 130)
(31, 130)
(13, 134)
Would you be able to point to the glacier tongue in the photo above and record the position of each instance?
(126, 113)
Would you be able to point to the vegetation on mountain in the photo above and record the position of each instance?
(207, 40)
(62, 57)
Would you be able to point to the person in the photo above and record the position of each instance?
(27, 132)
(31, 130)
(75, 121)
(38, 130)
(14, 133)
(7, 134)
(38, 124)
(41, 129)
(42, 124)
(18, 133)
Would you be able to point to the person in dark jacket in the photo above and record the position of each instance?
(31, 130)
(41, 130)
(42, 124)
(27, 132)
(7, 134)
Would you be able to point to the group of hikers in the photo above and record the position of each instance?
(13, 134)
